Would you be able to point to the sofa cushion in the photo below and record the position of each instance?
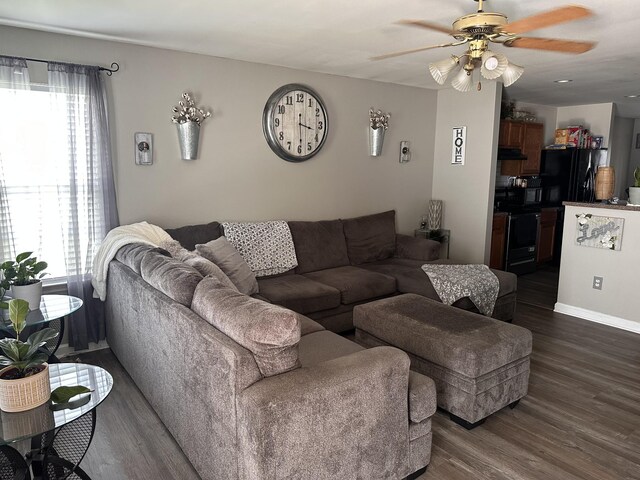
(324, 345)
(207, 268)
(299, 293)
(370, 238)
(355, 284)
(133, 253)
(190, 235)
(172, 277)
(223, 254)
(319, 245)
(270, 332)
(308, 326)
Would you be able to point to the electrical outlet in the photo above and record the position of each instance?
(597, 283)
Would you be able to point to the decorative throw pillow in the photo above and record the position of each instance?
(209, 269)
(225, 256)
(370, 238)
(270, 332)
(172, 277)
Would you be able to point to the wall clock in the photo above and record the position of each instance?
(295, 122)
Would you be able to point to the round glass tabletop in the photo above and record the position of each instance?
(24, 425)
(51, 308)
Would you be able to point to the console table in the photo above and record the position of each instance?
(440, 235)
(59, 437)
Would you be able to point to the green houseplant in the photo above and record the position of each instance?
(24, 382)
(634, 190)
(24, 275)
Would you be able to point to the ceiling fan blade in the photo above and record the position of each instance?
(547, 19)
(413, 50)
(428, 25)
(552, 44)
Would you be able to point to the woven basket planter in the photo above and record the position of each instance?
(24, 393)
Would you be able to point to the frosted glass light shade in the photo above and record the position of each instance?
(462, 82)
(493, 65)
(441, 69)
(512, 73)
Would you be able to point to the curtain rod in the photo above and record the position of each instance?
(110, 71)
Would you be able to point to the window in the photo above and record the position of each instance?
(36, 170)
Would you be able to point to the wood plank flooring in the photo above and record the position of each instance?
(580, 420)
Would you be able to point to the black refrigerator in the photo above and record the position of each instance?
(563, 174)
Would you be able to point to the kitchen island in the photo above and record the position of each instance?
(601, 240)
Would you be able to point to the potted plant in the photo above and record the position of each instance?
(634, 190)
(24, 274)
(24, 382)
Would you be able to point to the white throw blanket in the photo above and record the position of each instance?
(453, 282)
(117, 238)
(267, 247)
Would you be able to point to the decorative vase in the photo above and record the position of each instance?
(634, 195)
(32, 293)
(189, 136)
(14, 425)
(376, 139)
(434, 221)
(605, 183)
(24, 393)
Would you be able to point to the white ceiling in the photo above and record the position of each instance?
(339, 36)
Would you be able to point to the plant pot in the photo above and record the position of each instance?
(634, 195)
(376, 139)
(24, 393)
(32, 293)
(189, 136)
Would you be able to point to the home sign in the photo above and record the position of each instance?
(599, 232)
(458, 145)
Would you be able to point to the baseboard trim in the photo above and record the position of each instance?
(66, 351)
(597, 317)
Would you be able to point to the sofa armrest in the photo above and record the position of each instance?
(422, 397)
(343, 418)
(416, 248)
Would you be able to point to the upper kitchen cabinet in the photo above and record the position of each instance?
(526, 136)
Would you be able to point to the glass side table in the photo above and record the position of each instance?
(440, 235)
(59, 437)
(52, 313)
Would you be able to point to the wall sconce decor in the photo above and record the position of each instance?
(378, 124)
(188, 118)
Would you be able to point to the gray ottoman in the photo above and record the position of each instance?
(479, 364)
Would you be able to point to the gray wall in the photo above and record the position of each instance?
(620, 152)
(467, 190)
(237, 176)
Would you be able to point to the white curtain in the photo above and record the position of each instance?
(78, 91)
(14, 79)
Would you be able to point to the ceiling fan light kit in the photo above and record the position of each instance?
(479, 29)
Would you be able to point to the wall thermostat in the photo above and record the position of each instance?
(405, 151)
(143, 148)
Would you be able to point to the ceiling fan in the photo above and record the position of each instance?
(481, 28)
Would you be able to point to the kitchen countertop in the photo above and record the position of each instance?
(635, 208)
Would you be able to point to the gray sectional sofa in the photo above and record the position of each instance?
(252, 390)
(347, 262)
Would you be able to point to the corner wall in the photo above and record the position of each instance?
(467, 190)
(597, 117)
(237, 176)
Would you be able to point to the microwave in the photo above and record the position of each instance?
(531, 196)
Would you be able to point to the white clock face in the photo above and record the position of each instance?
(296, 123)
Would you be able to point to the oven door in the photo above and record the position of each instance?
(522, 238)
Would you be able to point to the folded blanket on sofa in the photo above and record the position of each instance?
(453, 282)
(267, 247)
(117, 238)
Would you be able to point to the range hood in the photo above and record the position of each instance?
(510, 153)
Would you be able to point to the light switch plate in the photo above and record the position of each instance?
(405, 151)
(143, 144)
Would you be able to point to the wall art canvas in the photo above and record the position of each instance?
(599, 232)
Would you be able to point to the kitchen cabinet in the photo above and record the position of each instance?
(498, 241)
(526, 136)
(547, 234)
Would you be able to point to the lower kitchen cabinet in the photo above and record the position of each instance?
(547, 234)
(498, 241)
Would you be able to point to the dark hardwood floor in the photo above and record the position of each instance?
(580, 420)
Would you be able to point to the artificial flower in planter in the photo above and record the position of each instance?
(188, 118)
(24, 275)
(24, 382)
